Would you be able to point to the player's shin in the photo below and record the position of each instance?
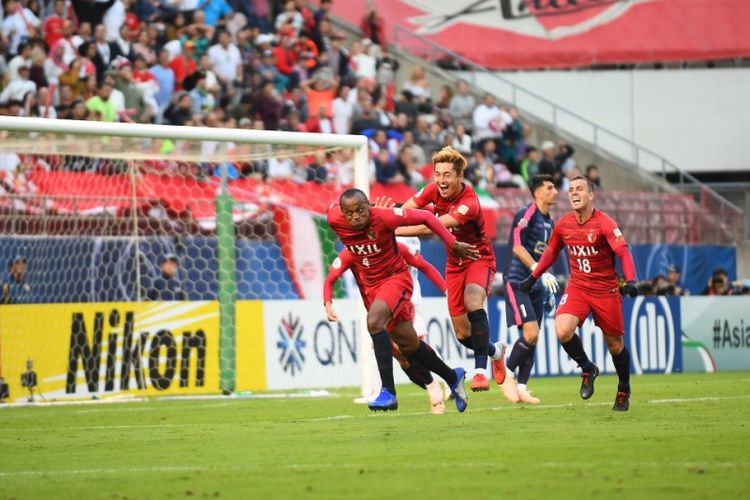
(518, 354)
(418, 374)
(622, 366)
(381, 343)
(480, 337)
(425, 356)
(574, 348)
(527, 364)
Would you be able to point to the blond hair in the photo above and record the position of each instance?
(450, 155)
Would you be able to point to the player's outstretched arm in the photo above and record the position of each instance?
(425, 267)
(457, 248)
(335, 270)
(548, 258)
(628, 269)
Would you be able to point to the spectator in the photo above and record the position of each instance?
(106, 52)
(342, 111)
(673, 275)
(719, 283)
(184, 64)
(92, 12)
(338, 56)
(20, 24)
(564, 157)
(53, 25)
(268, 105)
(530, 164)
(19, 87)
(15, 285)
(373, 27)
(405, 164)
(227, 62)
(64, 109)
(23, 58)
(387, 171)
(63, 51)
(461, 107)
(114, 20)
(179, 110)
(660, 285)
(592, 173)
(462, 140)
(418, 155)
(143, 47)
(570, 174)
(165, 80)
(362, 63)
(366, 120)
(124, 42)
(137, 108)
(168, 284)
(290, 17)
(217, 12)
(38, 73)
(548, 165)
(101, 107)
(417, 84)
(488, 120)
(320, 123)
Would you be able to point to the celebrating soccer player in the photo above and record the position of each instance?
(416, 373)
(528, 238)
(593, 239)
(368, 233)
(469, 280)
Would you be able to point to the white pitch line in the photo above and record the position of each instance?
(337, 465)
(688, 400)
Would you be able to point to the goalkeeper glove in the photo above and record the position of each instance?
(550, 283)
(550, 302)
(527, 284)
(630, 289)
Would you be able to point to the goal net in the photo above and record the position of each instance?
(151, 260)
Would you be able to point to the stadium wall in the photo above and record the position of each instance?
(695, 118)
(103, 350)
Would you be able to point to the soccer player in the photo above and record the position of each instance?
(416, 373)
(368, 233)
(593, 239)
(469, 280)
(528, 238)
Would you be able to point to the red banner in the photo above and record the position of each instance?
(527, 34)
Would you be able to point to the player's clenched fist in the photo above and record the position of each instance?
(630, 289)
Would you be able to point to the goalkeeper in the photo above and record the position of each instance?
(529, 234)
(418, 374)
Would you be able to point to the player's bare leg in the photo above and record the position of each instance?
(421, 376)
(377, 318)
(621, 360)
(405, 337)
(565, 326)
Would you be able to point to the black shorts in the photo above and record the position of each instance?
(521, 307)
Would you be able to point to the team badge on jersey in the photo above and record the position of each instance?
(372, 234)
(462, 209)
(591, 236)
(399, 211)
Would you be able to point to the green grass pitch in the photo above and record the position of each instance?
(686, 436)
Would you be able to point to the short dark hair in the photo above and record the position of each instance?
(538, 181)
(584, 178)
(353, 193)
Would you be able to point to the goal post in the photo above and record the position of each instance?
(99, 212)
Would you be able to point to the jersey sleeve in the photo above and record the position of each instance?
(614, 236)
(521, 224)
(465, 211)
(425, 196)
(338, 267)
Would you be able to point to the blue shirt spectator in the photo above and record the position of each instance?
(215, 10)
(14, 287)
(165, 78)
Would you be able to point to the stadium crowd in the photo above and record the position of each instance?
(258, 64)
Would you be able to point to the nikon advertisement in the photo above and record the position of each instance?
(64, 351)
